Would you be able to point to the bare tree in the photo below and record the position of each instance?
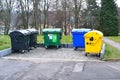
(58, 14)
(24, 9)
(64, 14)
(64, 6)
(6, 13)
(45, 13)
(77, 9)
(47, 4)
(67, 8)
(36, 12)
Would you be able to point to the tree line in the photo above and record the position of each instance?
(65, 14)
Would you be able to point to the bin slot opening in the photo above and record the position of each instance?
(91, 38)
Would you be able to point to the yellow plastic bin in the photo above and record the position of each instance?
(93, 42)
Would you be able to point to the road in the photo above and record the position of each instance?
(69, 70)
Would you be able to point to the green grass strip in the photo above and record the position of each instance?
(4, 42)
(115, 38)
(111, 53)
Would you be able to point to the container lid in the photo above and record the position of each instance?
(52, 30)
(93, 33)
(33, 30)
(81, 30)
(24, 32)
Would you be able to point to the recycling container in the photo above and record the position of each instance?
(52, 37)
(78, 37)
(93, 42)
(33, 37)
(20, 40)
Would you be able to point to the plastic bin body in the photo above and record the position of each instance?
(20, 40)
(93, 42)
(33, 37)
(78, 37)
(52, 37)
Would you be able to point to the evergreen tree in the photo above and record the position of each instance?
(109, 18)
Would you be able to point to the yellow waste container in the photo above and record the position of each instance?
(93, 42)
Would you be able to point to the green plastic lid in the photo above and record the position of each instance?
(52, 30)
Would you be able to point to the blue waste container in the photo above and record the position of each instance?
(78, 37)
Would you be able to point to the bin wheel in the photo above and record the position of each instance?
(35, 46)
(99, 54)
(13, 51)
(75, 48)
(57, 47)
(28, 50)
(46, 47)
(22, 51)
(86, 54)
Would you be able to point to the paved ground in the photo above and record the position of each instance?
(112, 43)
(57, 64)
(64, 54)
(26, 70)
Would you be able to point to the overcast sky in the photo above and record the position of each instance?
(118, 3)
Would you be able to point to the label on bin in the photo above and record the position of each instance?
(54, 38)
(50, 36)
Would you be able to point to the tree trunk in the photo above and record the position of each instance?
(76, 14)
(44, 25)
(36, 22)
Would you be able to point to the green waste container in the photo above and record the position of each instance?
(52, 37)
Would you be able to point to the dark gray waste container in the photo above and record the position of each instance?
(33, 37)
(20, 40)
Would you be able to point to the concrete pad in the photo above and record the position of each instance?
(62, 54)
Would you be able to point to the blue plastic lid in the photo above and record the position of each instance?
(81, 30)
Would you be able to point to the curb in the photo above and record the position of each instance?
(62, 45)
(39, 60)
(5, 52)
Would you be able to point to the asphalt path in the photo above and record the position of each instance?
(69, 70)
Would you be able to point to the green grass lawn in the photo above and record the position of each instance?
(115, 38)
(66, 39)
(111, 53)
(4, 42)
(40, 39)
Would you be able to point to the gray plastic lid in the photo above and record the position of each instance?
(24, 32)
(33, 30)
